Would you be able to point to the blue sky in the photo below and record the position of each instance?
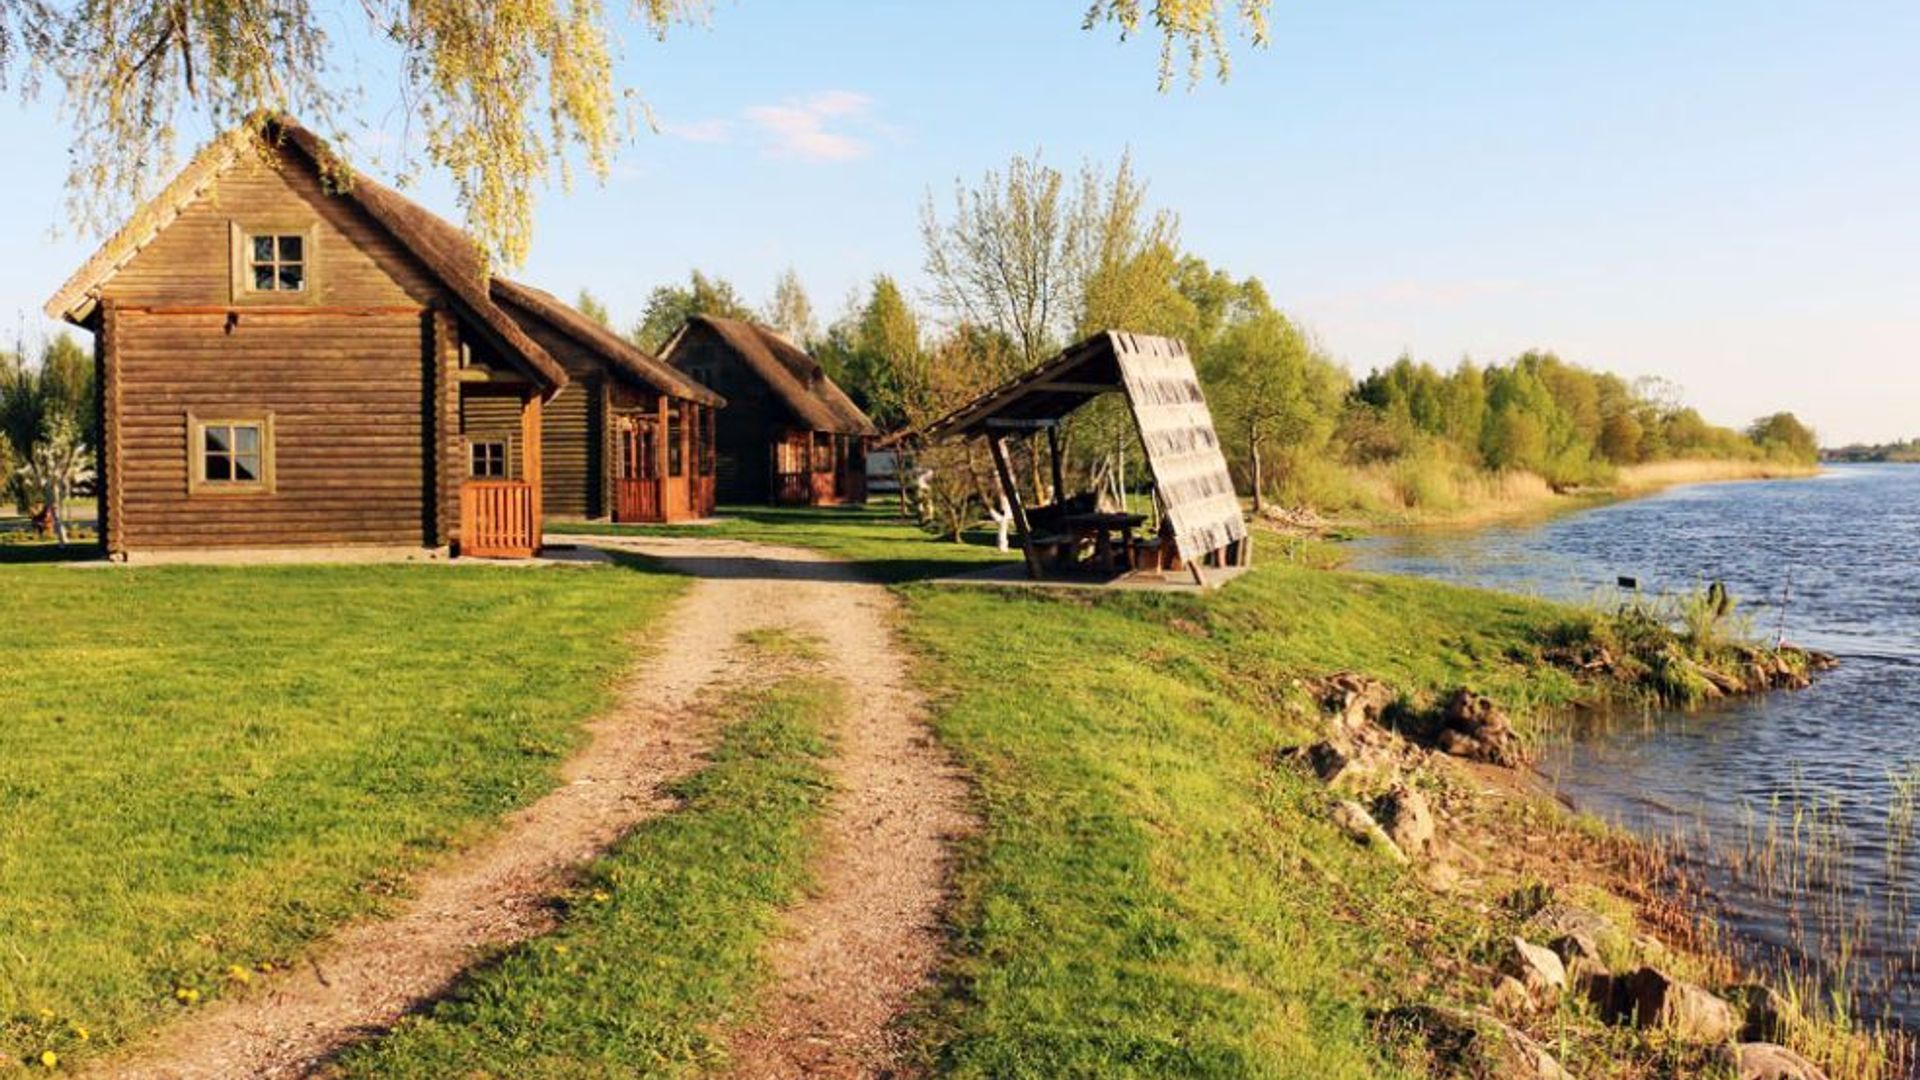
(1727, 194)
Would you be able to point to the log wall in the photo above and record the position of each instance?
(348, 394)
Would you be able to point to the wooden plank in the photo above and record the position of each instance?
(113, 501)
(997, 444)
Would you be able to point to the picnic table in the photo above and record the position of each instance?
(1102, 527)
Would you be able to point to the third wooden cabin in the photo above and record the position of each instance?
(788, 436)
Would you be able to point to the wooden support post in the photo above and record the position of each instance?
(1059, 473)
(531, 463)
(660, 445)
(686, 441)
(998, 445)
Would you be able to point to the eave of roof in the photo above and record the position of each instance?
(625, 359)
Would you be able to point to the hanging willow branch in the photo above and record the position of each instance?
(507, 92)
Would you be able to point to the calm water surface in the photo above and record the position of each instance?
(1797, 808)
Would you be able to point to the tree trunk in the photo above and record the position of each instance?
(56, 508)
(1253, 446)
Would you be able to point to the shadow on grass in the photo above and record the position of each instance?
(874, 540)
(35, 552)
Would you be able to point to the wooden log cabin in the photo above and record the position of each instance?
(293, 355)
(788, 436)
(629, 437)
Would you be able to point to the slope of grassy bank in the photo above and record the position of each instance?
(1152, 896)
(207, 768)
(661, 944)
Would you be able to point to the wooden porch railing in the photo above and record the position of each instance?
(496, 519)
(793, 488)
(636, 500)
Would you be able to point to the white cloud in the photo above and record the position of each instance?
(799, 127)
(700, 131)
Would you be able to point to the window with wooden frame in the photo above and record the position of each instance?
(487, 459)
(790, 454)
(708, 458)
(230, 455)
(274, 263)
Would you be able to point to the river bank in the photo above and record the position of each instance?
(1791, 813)
(1475, 499)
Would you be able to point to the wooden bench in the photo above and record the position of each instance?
(1045, 531)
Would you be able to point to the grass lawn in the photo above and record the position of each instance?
(1151, 896)
(661, 948)
(208, 767)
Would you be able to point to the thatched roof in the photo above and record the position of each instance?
(1163, 392)
(625, 359)
(448, 253)
(796, 379)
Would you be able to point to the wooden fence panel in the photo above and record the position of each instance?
(497, 519)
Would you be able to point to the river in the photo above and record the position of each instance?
(1796, 809)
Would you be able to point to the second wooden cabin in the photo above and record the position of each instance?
(629, 438)
(788, 436)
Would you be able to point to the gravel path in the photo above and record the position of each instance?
(852, 955)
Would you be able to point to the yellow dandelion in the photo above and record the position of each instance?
(50, 1059)
(561, 949)
(80, 1033)
(266, 966)
(46, 1014)
(239, 974)
(600, 896)
(186, 994)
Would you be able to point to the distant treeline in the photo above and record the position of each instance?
(1029, 259)
(1908, 451)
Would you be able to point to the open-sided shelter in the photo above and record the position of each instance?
(630, 437)
(789, 435)
(1203, 522)
(291, 354)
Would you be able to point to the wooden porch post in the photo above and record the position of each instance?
(660, 451)
(1053, 449)
(530, 460)
(997, 444)
(687, 469)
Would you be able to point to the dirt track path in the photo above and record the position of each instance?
(853, 954)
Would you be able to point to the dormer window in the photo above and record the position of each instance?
(273, 263)
(277, 263)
